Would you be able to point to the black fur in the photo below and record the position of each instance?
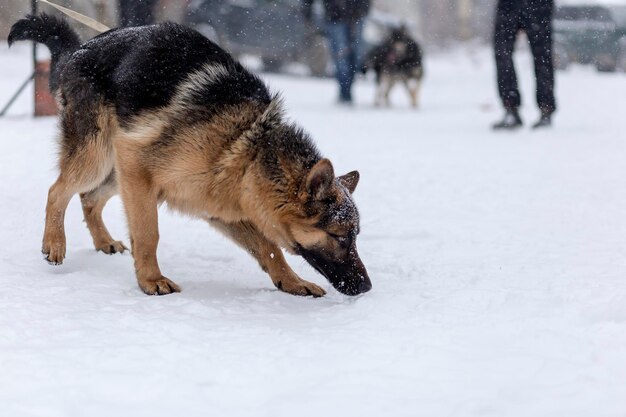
(385, 59)
(348, 277)
(288, 140)
(137, 69)
(53, 32)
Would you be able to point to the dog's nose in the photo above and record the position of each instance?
(365, 286)
(364, 283)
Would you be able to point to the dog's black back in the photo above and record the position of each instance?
(399, 54)
(140, 68)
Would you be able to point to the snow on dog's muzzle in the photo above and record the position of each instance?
(349, 277)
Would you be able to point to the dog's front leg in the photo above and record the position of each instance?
(387, 82)
(141, 204)
(269, 256)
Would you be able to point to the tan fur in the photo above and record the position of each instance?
(212, 181)
(81, 172)
(388, 81)
(269, 256)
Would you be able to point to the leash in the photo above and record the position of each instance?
(88, 21)
(85, 20)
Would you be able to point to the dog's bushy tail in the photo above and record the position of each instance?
(53, 32)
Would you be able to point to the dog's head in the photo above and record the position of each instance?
(396, 47)
(325, 236)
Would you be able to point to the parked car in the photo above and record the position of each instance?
(275, 31)
(591, 34)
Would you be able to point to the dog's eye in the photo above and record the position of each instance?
(341, 239)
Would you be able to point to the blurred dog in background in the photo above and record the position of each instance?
(397, 59)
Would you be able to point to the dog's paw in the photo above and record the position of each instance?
(54, 252)
(159, 286)
(300, 287)
(114, 246)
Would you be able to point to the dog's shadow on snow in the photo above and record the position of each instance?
(91, 261)
(228, 292)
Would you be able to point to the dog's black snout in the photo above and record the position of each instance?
(359, 284)
(360, 287)
(366, 285)
(363, 286)
(349, 277)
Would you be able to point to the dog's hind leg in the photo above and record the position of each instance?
(78, 178)
(59, 196)
(413, 87)
(388, 83)
(86, 159)
(380, 95)
(93, 203)
(269, 256)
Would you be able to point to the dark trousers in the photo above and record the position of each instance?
(346, 46)
(136, 12)
(535, 18)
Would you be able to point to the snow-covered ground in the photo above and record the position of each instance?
(498, 262)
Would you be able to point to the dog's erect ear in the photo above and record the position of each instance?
(319, 180)
(350, 180)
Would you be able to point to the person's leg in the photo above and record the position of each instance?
(540, 37)
(506, 29)
(125, 12)
(507, 26)
(136, 12)
(340, 50)
(357, 53)
(145, 12)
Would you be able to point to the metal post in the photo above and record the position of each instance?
(33, 10)
(16, 95)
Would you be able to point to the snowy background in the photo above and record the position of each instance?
(498, 262)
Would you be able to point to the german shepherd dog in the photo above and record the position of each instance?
(397, 59)
(162, 114)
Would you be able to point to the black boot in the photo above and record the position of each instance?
(510, 121)
(544, 121)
